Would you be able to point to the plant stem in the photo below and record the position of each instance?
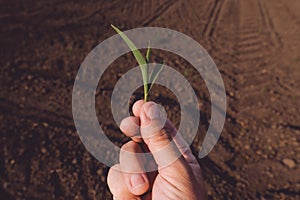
(145, 94)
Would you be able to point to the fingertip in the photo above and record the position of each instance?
(146, 106)
(152, 110)
(152, 118)
(137, 106)
(113, 175)
(144, 112)
(117, 185)
(133, 168)
(139, 183)
(130, 126)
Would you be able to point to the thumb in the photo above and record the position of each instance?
(158, 135)
(174, 171)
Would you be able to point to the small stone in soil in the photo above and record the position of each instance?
(289, 163)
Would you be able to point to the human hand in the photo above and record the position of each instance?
(179, 179)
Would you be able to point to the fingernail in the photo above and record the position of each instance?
(137, 180)
(153, 112)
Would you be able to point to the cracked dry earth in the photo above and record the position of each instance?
(255, 44)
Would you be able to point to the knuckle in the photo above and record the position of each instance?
(131, 147)
(128, 147)
(161, 138)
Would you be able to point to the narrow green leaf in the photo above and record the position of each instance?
(148, 54)
(139, 57)
(154, 74)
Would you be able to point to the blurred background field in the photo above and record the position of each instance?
(255, 44)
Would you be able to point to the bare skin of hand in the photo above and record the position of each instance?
(180, 179)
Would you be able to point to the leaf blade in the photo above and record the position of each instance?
(148, 54)
(139, 58)
(154, 74)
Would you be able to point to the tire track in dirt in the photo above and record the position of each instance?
(193, 6)
(213, 17)
(210, 8)
(257, 36)
(98, 11)
(159, 12)
(221, 14)
(189, 17)
(268, 22)
(258, 44)
(254, 48)
(222, 35)
(220, 39)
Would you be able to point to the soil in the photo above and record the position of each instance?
(254, 43)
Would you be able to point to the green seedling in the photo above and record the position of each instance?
(143, 63)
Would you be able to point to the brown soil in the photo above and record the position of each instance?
(254, 43)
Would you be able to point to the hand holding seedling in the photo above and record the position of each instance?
(150, 132)
(180, 179)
